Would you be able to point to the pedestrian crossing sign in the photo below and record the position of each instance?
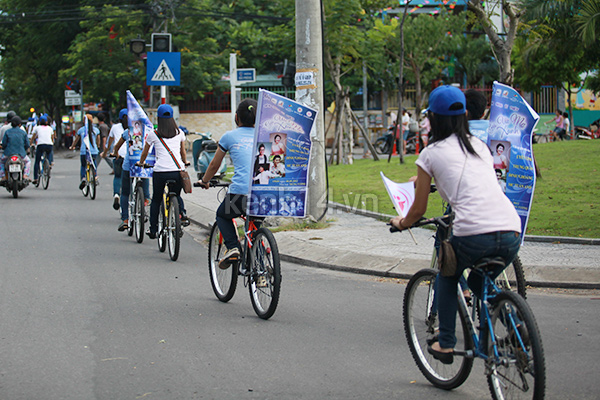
(163, 69)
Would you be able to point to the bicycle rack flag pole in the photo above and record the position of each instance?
(402, 196)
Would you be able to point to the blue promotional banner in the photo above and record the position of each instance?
(512, 121)
(139, 128)
(279, 174)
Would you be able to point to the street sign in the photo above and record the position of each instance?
(163, 69)
(71, 93)
(246, 75)
(72, 101)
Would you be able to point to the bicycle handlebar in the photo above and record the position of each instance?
(442, 221)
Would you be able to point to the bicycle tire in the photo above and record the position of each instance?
(420, 324)
(513, 276)
(139, 214)
(173, 228)
(92, 183)
(45, 174)
(161, 233)
(223, 281)
(86, 188)
(265, 276)
(515, 364)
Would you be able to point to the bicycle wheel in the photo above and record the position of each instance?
(173, 228)
(161, 234)
(513, 278)
(138, 214)
(421, 326)
(86, 188)
(92, 183)
(265, 277)
(518, 371)
(223, 281)
(45, 174)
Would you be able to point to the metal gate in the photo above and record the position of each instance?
(546, 100)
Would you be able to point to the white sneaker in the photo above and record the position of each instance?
(116, 202)
(230, 257)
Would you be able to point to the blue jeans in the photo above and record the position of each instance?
(42, 148)
(159, 180)
(83, 160)
(118, 168)
(469, 250)
(232, 207)
(126, 191)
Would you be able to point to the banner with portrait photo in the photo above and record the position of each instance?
(279, 171)
(512, 121)
(139, 128)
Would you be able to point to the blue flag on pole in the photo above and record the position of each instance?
(139, 128)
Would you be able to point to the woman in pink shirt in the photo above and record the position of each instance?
(560, 124)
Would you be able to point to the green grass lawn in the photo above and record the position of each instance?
(565, 201)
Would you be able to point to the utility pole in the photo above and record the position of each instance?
(309, 59)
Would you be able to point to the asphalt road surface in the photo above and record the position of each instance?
(87, 313)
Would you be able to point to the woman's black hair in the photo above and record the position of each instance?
(261, 145)
(500, 144)
(443, 126)
(276, 136)
(246, 112)
(167, 128)
(90, 125)
(277, 156)
(476, 104)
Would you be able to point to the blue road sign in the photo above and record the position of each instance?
(246, 74)
(163, 69)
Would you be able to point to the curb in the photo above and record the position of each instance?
(528, 238)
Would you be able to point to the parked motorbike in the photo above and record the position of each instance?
(385, 143)
(14, 172)
(203, 152)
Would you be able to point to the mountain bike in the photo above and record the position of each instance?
(507, 337)
(44, 174)
(90, 181)
(137, 210)
(169, 223)
(259, 265)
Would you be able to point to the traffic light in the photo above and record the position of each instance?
(161, 42)
(137, 46)
(287, 73)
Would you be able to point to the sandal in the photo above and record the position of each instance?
(124, 226)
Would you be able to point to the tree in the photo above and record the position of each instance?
(33, 43)
(502, 48)
(100, 57)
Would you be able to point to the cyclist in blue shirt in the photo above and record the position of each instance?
(125, 176)
(238, 143)
(94, 135)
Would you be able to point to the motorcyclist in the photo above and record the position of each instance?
(15, 142)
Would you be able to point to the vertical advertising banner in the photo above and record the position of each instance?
(139, 128)
(279, 173)
(509, 137)
(86, 140)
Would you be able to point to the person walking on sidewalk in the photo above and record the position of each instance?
(168, 141)
(486, 222)
(116, 131)
(238, 143)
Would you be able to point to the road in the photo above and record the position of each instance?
(87, 313)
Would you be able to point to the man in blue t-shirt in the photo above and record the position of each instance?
(238, 143)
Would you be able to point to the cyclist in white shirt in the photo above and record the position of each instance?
(43, 136)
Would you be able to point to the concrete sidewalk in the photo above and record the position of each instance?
(362, 244)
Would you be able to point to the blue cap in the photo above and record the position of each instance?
(165, 111)
(122, 113)
(44, 118)
(445, 96)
